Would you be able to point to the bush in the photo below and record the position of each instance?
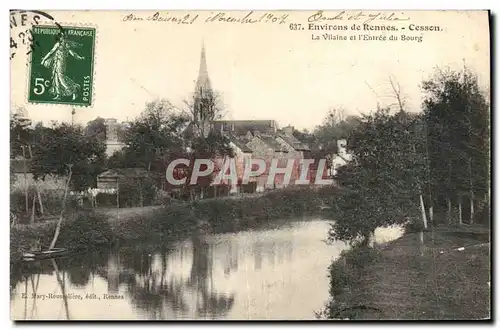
(86, 231)
(345, 275)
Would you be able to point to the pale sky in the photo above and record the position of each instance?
(263, 70)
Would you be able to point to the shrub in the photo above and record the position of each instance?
(86, 231)
(345, 275)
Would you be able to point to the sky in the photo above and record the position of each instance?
(263, 70)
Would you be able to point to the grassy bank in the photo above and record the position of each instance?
(413, 281)
(89, 230)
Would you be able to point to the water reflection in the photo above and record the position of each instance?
(265, 274)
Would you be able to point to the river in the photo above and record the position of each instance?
(278, 272)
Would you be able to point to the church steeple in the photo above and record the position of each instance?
(203, 85)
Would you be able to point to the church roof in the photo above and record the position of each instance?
(241, 127)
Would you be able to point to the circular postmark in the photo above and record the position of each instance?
(21, 24)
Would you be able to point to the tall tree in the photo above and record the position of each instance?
(383, 180)
(457, 114)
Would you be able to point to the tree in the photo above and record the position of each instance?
(383, 180)
(306, 137)
(457, 115)
(61, 147)
(96, 128)
(335, 126)
(155, 133)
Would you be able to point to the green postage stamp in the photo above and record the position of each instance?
(61, 67)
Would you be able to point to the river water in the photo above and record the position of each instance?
(278, 272)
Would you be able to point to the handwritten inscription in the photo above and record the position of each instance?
(321, 16)
(166, 17)
(218, 17)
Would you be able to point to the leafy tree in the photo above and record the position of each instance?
(457, 115)
(96, 128)
(155, 133)
(384, 180)
(335, 126)
(56, 149)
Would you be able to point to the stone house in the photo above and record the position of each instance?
(296, 150)
(267, 148)
(340, 158)
(242, 158)
(113, 144)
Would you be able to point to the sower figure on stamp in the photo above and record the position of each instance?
(61, 85)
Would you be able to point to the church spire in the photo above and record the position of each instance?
(203, 85)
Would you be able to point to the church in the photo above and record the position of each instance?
(262, 139)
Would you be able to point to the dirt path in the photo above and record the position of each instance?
(117, 214)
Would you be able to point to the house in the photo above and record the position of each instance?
(318, 156)
(242, 157)
(112, 142)
(296, 150)
(110, 179)
(340, 158)
(20, 179)
(267, 148)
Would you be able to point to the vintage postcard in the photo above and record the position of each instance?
(250, 165)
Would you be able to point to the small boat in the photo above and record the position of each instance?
(38, 255)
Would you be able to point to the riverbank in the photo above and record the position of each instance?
(446, 277)
(106, 227)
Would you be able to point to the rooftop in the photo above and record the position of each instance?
(241, 127)
(271, 142)
(240, 144)
(294, 142)
(136, 172)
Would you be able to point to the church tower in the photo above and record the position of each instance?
(204, 99)
(203, 87)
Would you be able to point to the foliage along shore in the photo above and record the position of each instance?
(90, 230)
(443, 273)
